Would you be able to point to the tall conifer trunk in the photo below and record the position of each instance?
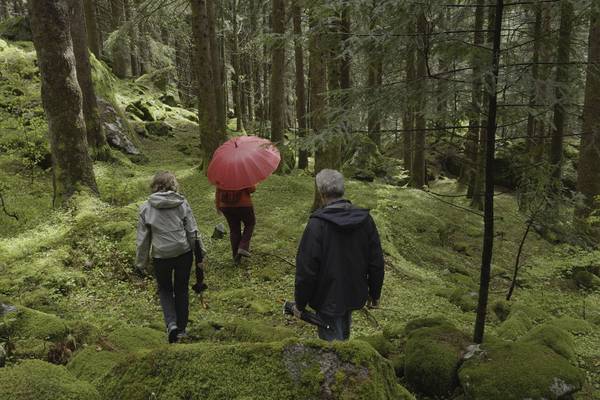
(588, 172)
(61, 97)
(95, 133)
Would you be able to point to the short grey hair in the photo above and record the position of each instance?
(330, 183)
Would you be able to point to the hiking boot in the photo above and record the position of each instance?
(172, 333)
(243, 253)
(237, 259)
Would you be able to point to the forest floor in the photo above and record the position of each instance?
(77, 263)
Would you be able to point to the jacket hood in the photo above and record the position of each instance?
(342, 214)
(166, 200)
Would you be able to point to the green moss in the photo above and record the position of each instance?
(586, 280)
(426, 323)
(520, 320)
(518, 371)
(31, 324)
(575, 326)
(394, 331)
(272, 371)
(501, 309)
(135, 338)
(104, 80)
(553, 337)
(38, 380)
(432, 358)
(31, 348)
(465, 300)
(94, 363)
(240, 331)
(380, 343)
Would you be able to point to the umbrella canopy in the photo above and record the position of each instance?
(242, 162)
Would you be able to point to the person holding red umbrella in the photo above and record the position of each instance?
(235, 169)
(236, 206)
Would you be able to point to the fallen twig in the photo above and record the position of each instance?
(262, 253)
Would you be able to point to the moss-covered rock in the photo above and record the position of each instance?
(159, 128)
(572, 325)
(553, 337)
(520, 320)
(135, 338)
(38, 380)
(93, 363)
(380, 343)
(432, 357)
(426, 323)
(290, 370)
(586, 280)
(519, 371)
(501, 309)
(31, 324)
(466, 300)
(240, 331)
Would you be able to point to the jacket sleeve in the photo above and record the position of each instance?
(376, 263)
(308, 264)
(144, 240)
(192, 234)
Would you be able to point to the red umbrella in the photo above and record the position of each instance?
(242, 162)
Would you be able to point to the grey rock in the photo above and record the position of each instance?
(115, 128)
(219, 232)
(7, 309)
(159, 128)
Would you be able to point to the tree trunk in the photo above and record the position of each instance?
(374, 82)
(419, 173)
(488, 235)
(477, 181)
(121, 62)
(61, 97)
(300, 84)
(96, 138)
(544, 72)
(277, 75)
(133, 38)
(472, 144)
(325, 157)
(144, 57)
(562, 80)
(183, 67)
(210, 136)
(217, 66)
(588, 171)
(3, 10)
(530, 142)
(235, 58)
(408, 117)
(91, 24)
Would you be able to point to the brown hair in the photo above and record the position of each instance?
(164, 181)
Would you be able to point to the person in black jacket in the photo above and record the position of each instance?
(339, 265)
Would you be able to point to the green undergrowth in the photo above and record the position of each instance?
(77, 263)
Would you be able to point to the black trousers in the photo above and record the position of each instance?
(240, 239)
(173, 277)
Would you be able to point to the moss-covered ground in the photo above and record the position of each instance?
(76, 264)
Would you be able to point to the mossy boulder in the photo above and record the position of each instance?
(38, 380)
(586, 280)
(159, 128)
(380, 343)
(426, 323)
(26, 323)
(432, 358)
(95, 361)
(158, 79)
(553, 337)
(520, 370)
(572, 325)
(466, 300)
(240, 331)
(290, 370)
(520, 320)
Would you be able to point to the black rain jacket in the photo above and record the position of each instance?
(340, 261)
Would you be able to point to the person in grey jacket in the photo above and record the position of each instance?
(167, 233)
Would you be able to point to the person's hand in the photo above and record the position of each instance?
(297, 313)
(219, 212)
(373, 303)
(201, 265)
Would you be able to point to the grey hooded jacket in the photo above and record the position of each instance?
(166, 228)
